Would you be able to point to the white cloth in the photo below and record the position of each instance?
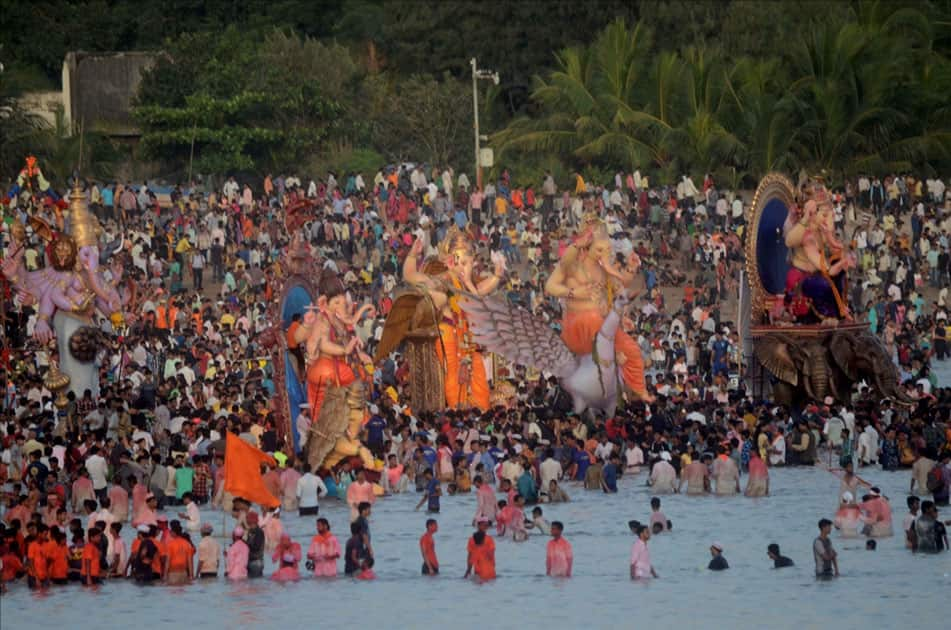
(309, 488)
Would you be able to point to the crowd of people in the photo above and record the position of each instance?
(187, 367)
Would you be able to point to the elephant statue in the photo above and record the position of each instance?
(813, 367)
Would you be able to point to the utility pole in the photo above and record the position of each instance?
(476, 75)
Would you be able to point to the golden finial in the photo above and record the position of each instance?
(83, 225)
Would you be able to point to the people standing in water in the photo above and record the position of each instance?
(717, 562)
(324, 551)
(432, 493)
(427, 547)
(827, 563)
(641, 567)
(481, 552)
(558, 556)
(848, 518)
(779, 561)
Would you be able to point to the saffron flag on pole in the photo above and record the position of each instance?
(243, 472)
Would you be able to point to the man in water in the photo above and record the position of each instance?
(930, 535)
(481, 552)
(878, 515)
(432, 494)
(779, 561)
(908, 522)
(255, 547)
(757, 483)
(357, 549)
(848, 518)
(486, 504)
(827, 565)
(359, 492)
(725, 473)
(658, 517)
(609, 474)
(697, 476)
(428, 548)
(717, 562)
(559, 556)
(641, 567)
(663, 475)
(324, 550)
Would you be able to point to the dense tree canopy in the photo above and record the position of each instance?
(736, 86)
(857, 94)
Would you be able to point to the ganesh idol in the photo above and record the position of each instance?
(68, 292)
(816, 280)
(446, 366)
(335, 371)
(586, 279)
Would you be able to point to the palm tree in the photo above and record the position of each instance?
(64, 151)
(846, 85)
(589, 103)
(761, 114)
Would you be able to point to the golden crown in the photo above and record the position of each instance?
(814, 189)
(455, 242)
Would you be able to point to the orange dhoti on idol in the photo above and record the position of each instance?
(323, 373)
(579, 329)
(465, 379)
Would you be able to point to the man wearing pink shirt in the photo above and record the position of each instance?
(559, 556)
(82, 490)
(641, 567)
(360, 491)
(119, 499)
(324, 550)
(289, 478)
(146, 515)
(878, 515)
(236, 557)
(486, 505)
(139, 493)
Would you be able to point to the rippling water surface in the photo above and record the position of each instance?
(877, 589)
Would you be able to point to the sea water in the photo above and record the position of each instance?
(877, 589)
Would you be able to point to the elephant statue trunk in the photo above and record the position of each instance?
(810, 367)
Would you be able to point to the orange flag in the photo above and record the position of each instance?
(243, 472)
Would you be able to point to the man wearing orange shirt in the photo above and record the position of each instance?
(481, 550)
(160, 558)
(178, 568)
(57, 555)
(13, 569)
(91, 568)
(37, 564)
(559, 556)
(428, 548)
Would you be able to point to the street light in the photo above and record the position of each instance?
(477, 74)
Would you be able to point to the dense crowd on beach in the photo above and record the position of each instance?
(187, 368)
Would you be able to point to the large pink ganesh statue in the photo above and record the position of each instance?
(68, 292)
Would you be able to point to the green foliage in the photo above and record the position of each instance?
(739, 87)
(41, 32)
(208, 107)
(360, 161)
(62, 151)
(420, 118)
(863, 92)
